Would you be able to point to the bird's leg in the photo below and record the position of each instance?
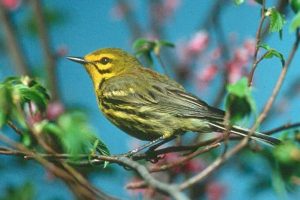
(149, 144)
(159, 143)
(153, 145)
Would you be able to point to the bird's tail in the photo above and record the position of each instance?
(260, 137)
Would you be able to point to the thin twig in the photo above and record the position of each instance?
(184, 159)
(14, 127)
(220, 160)
(282, 7)
(221, 39)
(282, 128)
(257, 42)
(10, 151)
(86, 159)
(79, 185)
(46, 48)
(136, 185)
(215, 8)
(13, 44)
(82, 192)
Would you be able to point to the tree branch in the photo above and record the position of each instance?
(13, 44)
(74, 180)
(165, 188)
(46, 48)
(183, 160)
(282, 128)
(257, 42)
(219, 161)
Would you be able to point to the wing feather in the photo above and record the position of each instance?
(159, 94)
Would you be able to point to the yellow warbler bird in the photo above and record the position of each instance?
(148, 105)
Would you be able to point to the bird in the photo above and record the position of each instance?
(148, 105)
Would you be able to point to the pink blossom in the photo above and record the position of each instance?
(241, 56)
(33, 115)
(169, 158)
(215, 191)
(190, 166)
(194, 166)
(206, 75)
(198, 43)
(34, 118)
(11, 4)
(54, 110)
(235, 71)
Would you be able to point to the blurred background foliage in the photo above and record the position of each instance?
(204, 45)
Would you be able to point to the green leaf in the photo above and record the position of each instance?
(265, 46)
(277, 21)
(5, 103)
(164, 43)
(26, 139)
(159, 44)
(74, 133)
(23, 90)
(272, 53)
(101, 148)
(238, 2)
(144, 47)
(3, 118)
(239, 102)
(287, 153)
(25, 191)
(295, 4)
(33, 91)
(239, 88)
(295, 22)
(259, 2)
(278, 182)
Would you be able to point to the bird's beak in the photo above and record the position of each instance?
(77, 59)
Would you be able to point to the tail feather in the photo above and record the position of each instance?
(244, 132)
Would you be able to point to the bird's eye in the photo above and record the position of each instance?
(105, 60)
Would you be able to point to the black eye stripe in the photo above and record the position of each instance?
(105, 60)
(101, 71)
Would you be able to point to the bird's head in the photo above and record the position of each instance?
(106, 63)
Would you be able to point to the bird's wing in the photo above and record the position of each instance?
(159, 94)
(127, 90)
(177, 101)
(184, 104)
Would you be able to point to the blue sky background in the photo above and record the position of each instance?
(89, 26)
